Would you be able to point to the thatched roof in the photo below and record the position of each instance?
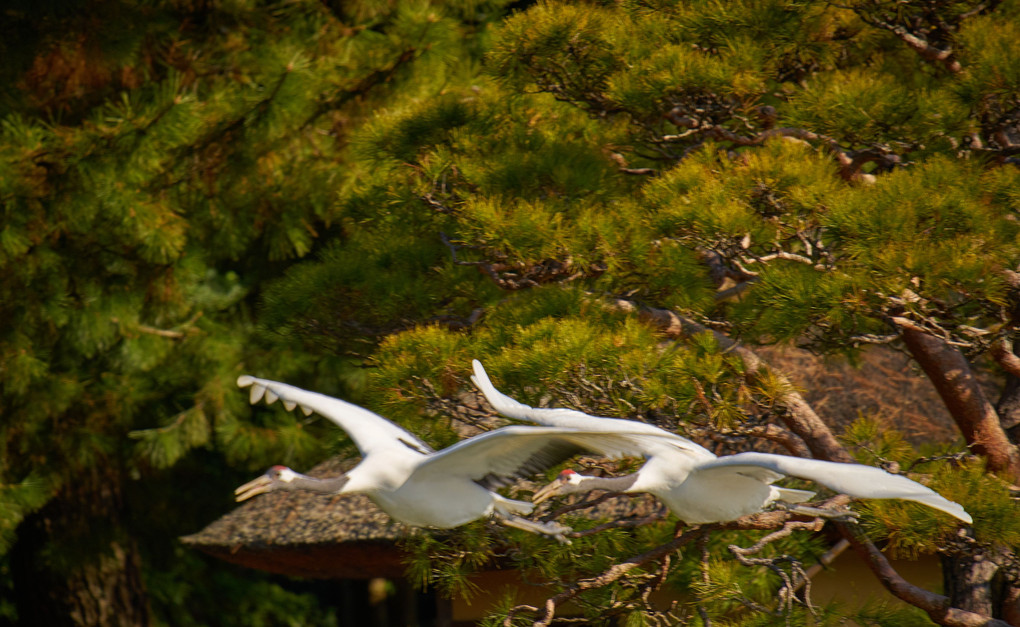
(307, 534)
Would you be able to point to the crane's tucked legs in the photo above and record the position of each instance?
(846, 516)
(551, 528)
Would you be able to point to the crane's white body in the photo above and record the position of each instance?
(420, 487)
(700, 487)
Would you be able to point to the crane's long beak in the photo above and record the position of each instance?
(547, 492)
(254, 487)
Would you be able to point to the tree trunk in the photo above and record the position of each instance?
(972, 583)
(953, 379)
(72, 567)
(1011, 605)
(1008, 406)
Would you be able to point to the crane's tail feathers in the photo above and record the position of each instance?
(942, 504)
(856, 480)
(789, 495)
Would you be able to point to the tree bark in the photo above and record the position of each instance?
(950, 373)
(1011, 605)
(1008, 408)
(70, 565)
(971, 582)
(1008, 405)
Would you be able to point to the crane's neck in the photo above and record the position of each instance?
(609, 484)
(330, 485)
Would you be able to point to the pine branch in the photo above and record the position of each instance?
(173, 334)
(226, 127)
(614, 573)
(801, 419)
(361, 88)
(850, 162)
(773, 433)
(796, 578)
(705, 577)
(805, 423)
(945, 58)
(762, 521)
(518, 276)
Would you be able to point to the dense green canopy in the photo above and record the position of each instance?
(359, 198)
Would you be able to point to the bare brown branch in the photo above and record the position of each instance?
(794, 579)
(187, 328)
(945, 58)
(1002, 353)
(850, 162)
(612, 574)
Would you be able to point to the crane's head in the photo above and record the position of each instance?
(276, 478)
(568, 481)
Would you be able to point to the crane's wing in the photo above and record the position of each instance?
(561, 417)
(496, 458)
(856, 480)
(369, 430)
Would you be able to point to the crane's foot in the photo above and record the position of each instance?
(552, 529)
(846, 515)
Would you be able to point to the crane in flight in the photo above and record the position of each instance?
(700, 487)
(425, 488)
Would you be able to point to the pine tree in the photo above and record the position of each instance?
(636, 195)
(159, 162)
(611, 204)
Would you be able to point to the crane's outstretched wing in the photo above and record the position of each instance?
(369, 430)
(856, 480)
(496, 458)
(561, 417)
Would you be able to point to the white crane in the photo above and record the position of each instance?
(700, 487)
(424, 488)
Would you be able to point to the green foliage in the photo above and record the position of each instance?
(568, 48)
(425, 124)
(909, 529)
(152, 183)
(17, 501)
(195, 590)
(446, 562)
(529, 351)
(678, 73)
(993, 81)
(362, 198)
(881, 614)
(859, 107)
